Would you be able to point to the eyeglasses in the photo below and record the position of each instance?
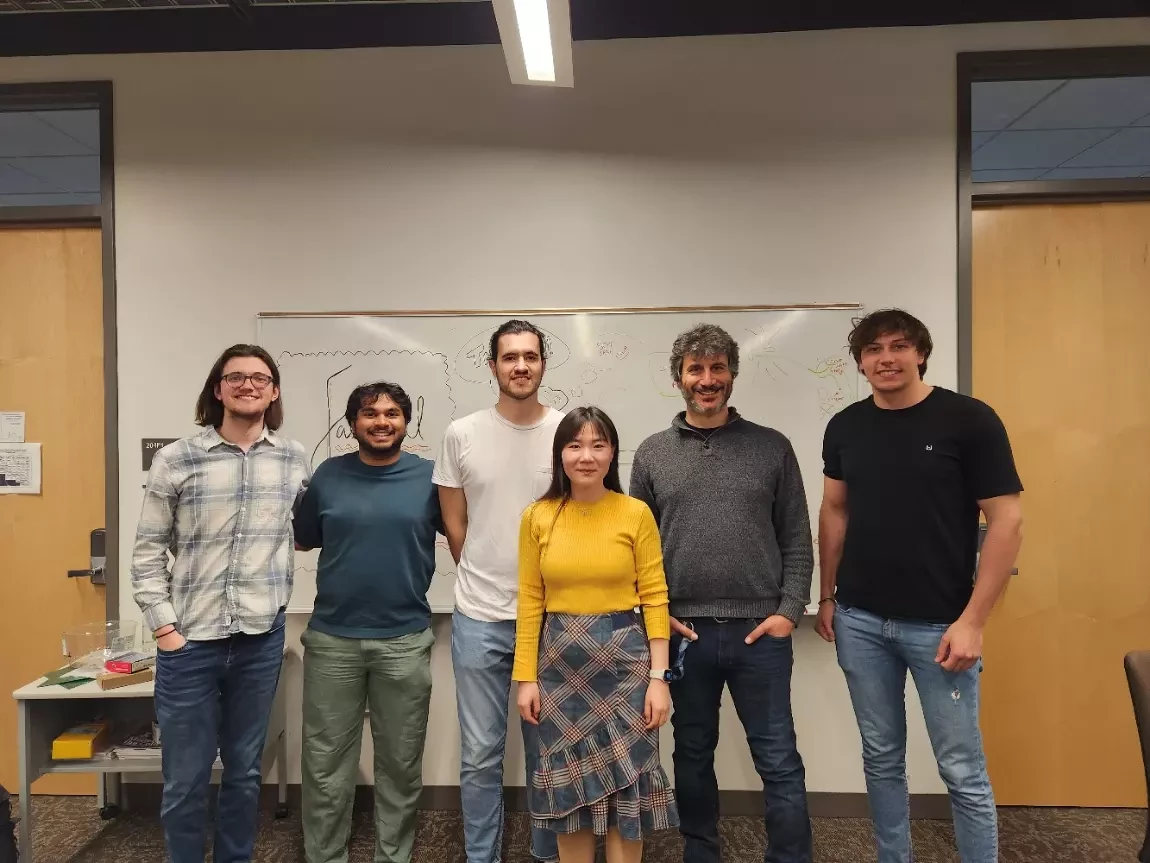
(237, 379)
(676, 670)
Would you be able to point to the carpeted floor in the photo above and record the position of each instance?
(68, 830)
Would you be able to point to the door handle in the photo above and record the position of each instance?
(98, 559)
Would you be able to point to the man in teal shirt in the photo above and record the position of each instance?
(374, 514)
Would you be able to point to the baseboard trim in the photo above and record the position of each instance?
(822, 804)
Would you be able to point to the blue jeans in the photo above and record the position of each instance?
(874, 654)
(209, 694)
(759, 677)
(482, 654)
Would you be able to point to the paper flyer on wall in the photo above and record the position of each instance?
(20, 468)
(11, 426)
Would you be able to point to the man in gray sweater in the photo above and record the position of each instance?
(732, 513)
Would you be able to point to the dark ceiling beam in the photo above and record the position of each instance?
(243, 8)
(218, 28)
(622, 19)
(321, 25)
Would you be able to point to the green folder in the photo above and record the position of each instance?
(64, 677)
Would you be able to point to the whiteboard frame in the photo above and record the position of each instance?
(596, 310)
(600, 310)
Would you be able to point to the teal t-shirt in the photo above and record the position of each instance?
(375, 528)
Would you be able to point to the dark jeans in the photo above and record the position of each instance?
(759, 677)
(209, 694)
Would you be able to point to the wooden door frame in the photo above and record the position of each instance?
(86, 95)
(1117, 62)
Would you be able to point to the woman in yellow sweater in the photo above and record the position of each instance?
(589, 676)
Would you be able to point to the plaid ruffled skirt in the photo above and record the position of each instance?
(598, 766)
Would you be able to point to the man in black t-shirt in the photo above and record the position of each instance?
(906, 474)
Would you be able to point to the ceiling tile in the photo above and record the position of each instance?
(977, 139)
(1128, 147)
(1034, 149)
(996, 104)
(1089, 103)
(1094, 173)
(82, 126)
(23, 134)
(15, 181)
(63, 173)
(1006, 176)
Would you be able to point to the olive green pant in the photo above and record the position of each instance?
(391, 678)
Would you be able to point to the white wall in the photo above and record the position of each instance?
(765, 169)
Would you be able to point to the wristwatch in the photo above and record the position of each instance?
(661, 674)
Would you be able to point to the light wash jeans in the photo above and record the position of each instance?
(874, 654)
(482, 654)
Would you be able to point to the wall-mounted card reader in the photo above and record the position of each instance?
(982, 536)
(98, 559)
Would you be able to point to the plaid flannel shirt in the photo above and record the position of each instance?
(226, 517)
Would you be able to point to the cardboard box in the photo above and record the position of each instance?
(114, 680)
(81, 741)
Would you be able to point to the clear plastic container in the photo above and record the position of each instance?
(92, 644)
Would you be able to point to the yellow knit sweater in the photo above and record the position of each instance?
(589, 560)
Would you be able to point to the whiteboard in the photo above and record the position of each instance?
(794, 374)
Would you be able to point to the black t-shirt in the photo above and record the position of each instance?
(914, 478)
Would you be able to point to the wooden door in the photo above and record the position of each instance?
(1061, 310)
(51, 367)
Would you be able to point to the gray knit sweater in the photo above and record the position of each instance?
(733, 518)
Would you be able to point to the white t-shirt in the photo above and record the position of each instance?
(502, 468)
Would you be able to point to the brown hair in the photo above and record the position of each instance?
(210, 410)
(887, 322)
(513, 328)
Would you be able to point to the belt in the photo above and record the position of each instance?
(710, 619)
(620, 619)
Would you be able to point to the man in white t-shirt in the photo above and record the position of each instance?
(492, 465)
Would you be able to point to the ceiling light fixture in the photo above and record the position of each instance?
(536, 37)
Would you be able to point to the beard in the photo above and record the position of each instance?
(520, 394)
(695, 407)
(376, 451)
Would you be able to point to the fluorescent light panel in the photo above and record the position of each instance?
(536, 37)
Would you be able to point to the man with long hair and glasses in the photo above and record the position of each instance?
(221, 502)
(907, 473)
(493, 464)
(732, 513)
(374, 514)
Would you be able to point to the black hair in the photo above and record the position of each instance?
(888, 322)
(511, 328)
(209, 408)
(568, 429)
(368, 394)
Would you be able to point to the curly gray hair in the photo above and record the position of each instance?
(704, 340)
